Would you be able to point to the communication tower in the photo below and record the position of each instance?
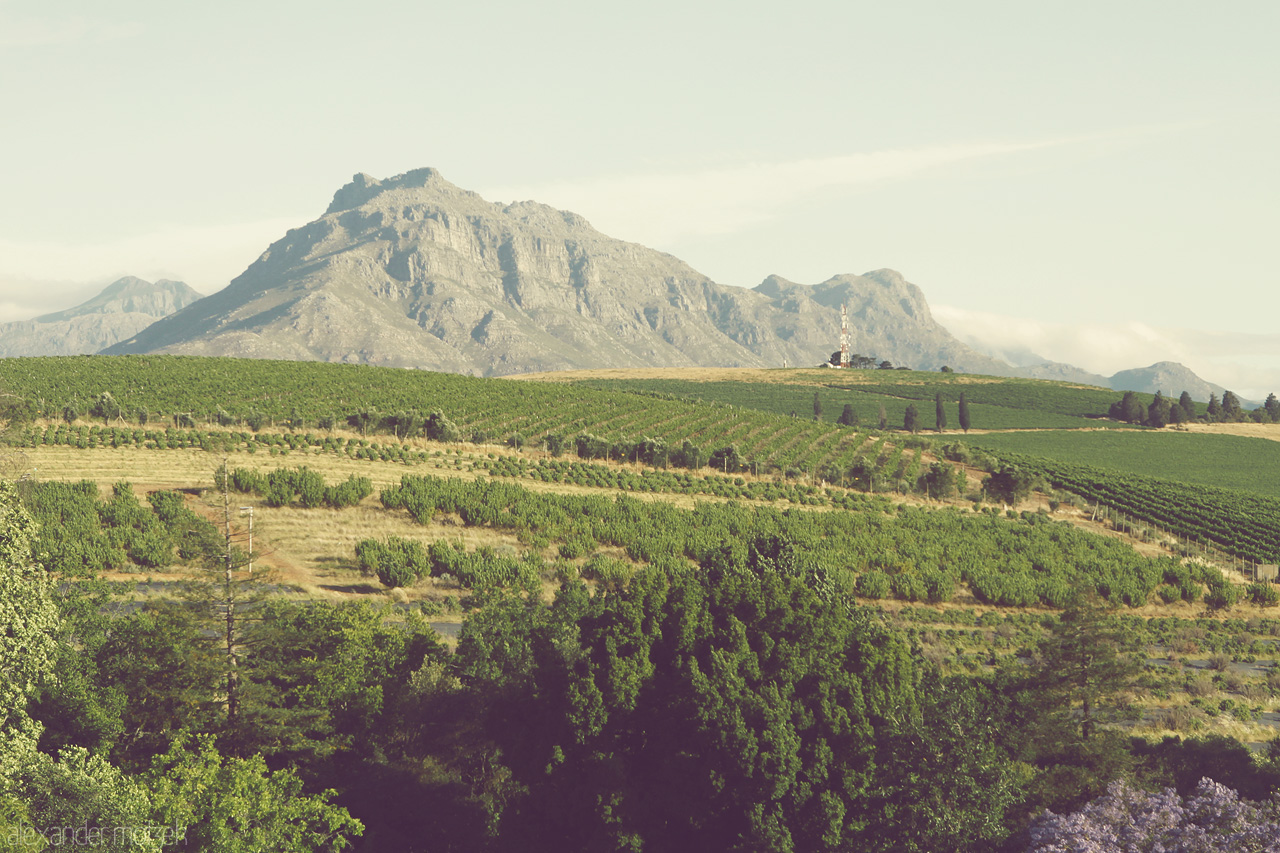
(844, 336)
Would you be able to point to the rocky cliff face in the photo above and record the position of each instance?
(123, 309)
(416, 272)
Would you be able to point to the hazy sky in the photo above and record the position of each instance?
(1106, 173)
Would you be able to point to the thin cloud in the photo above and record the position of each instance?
(206, 257)
(1248, 364)
(660, 209)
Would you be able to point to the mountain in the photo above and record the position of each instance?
(123, 309)
(1169, 377)
(413, 271)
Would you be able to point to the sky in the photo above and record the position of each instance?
(1094, 181)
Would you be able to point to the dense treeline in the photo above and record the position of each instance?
(1161, 412)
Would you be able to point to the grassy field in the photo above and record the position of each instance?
(1224, 461)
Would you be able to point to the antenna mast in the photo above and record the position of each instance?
(844, 336)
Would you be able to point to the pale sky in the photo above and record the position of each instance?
(1046, 172)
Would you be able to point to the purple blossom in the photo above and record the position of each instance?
(1213, 819)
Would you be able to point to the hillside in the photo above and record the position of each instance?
(124, 308)
(416, 272)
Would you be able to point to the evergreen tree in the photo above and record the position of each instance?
(884, 418)
(911, 420)
(1188, 407)
(1158, 411)
(848, 417)
(964, 413)
(817, 407)
(940, 413)
(1272, 407)
(1231, 408)
(1215, 409)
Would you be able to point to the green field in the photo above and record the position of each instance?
(1224, 461)
(999, 404)
(207, 389)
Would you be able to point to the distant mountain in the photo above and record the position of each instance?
(1168, 377)
(123, 309)
(416, 272)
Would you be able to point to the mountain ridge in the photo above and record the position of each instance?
(122, 309)
(413, 271)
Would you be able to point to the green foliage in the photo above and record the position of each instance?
(305, 486)
(1009, 484)
(666, 702)
(28, 618)
(233, 805)
(1263, 593)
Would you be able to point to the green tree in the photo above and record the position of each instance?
(1272, 407)
(106, 407)
(1213, 413)
(883, 421)
(1231, 408)
(940, 481)
(965, 421)
(817, 407)
(940, 413)
(1129, 409)
(1188, 406)
(1158, 413)
(1009, 484)
(911, 420)
(727, 459)
(232, 805)
(1087, 665)
(658, 717)
(848, 417)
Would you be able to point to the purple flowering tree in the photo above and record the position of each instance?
(1212, 819)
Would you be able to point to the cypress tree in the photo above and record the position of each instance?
(964, 413)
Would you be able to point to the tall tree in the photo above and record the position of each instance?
(884, 418)
(911, 419)
(817, 407)
(1188, 406)
(964, 413)
(1158, 411)
(1272, 407)
(1214, 410)
(1087, 665)
(848, 417)
(940, 413)
(1231, 408)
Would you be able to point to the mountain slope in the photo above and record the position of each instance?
(123, 309)
(416, 272)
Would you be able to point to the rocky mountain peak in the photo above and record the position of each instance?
(413, 271)
(364, 188)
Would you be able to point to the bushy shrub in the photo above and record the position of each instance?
(874, 584)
